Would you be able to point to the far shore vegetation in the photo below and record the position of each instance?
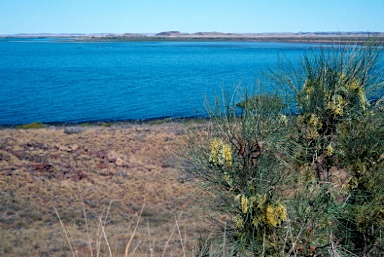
(174, 36)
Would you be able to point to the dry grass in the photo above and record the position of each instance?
(85, 172)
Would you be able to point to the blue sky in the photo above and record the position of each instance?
(152, 16)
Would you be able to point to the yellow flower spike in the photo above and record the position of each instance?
(269, 216)
(337, 110)
(275, 215)
(355, 89)
(313, 120)
(214, 148)
(220, 153)
(281, 212)
(329, 150)
(336, 105)
(244, 204)
(227, 154)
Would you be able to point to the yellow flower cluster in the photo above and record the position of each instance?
(329, 150)
(275, 214)
(220, 153)
(355, 90)
(337, 97)
(312, 123)
(269, 214)
(227, 154)
(244, 204)
(336, 105)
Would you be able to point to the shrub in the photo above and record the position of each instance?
(34, 125)
(361, 222)
(329, 87)
(340, 130)
(242, 160)
(273, 174)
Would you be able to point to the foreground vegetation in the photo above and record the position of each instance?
(301, 172)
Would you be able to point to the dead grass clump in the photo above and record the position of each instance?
(73, 130)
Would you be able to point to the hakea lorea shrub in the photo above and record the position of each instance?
(272, 173)
(326, 102)
(340, 130)
(242, 160)
(253, 209)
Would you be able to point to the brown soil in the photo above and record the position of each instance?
(92, 174)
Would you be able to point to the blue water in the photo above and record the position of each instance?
(56, 80)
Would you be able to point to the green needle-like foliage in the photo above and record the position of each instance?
(341, 131)
(307, 184)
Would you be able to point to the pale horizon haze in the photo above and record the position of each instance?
(189, 16)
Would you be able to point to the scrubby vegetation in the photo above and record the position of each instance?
(33, 125)
(301, 172)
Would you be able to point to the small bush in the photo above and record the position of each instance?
(34, 125)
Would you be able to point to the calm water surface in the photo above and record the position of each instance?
(56, 80)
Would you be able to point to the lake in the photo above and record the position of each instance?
(64, 80)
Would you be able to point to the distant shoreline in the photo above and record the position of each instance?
(316, 37)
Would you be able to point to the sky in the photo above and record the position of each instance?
(153, 16)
